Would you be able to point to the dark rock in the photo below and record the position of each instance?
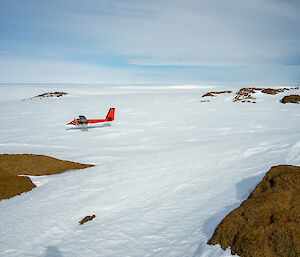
(48, 94)
(86, 219)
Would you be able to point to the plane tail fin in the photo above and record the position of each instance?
(111, 114)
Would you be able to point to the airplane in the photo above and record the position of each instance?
(83, 122)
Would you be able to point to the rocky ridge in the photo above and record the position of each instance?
(246, 95)
(46, 95)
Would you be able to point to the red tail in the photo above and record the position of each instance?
(111, 114)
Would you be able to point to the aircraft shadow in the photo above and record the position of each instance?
(92, 127)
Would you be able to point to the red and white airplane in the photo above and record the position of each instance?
(83, 122)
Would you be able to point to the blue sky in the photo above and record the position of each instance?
(153, 41)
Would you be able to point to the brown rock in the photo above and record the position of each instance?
(36, 165)
(208, 94)
(267, 223)
(246, 94)
(291, 99)
(14, 185)
(271, 91)
(13, 165)
(213, 94)
(86, 219)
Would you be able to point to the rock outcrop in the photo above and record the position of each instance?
(291, 99)
(268, 222)
(245, 95)
(13, 165)
(215, 93)
(45, 95)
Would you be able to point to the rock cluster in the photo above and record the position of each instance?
(246, 94)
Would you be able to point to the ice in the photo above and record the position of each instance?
(168, 169)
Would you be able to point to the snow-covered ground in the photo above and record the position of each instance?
(168, 169)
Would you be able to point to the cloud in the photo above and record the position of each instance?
(218, 33)
(205, 40)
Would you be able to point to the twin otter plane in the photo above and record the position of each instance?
(83, 122)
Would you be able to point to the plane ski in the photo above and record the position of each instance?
(83, 122)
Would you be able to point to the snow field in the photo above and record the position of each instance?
(168, 169)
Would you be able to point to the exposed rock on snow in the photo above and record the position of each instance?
(12, 185)
(272, 91)
(245, 95)
(213, 94)
(13, 165)
(86, 219)
(267, 223)
(291, 99)
(49, 94)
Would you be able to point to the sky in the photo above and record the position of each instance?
(153, 41)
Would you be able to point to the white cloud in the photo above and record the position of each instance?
(55, 36)
(210, 33)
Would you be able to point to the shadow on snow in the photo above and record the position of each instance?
(86, 128)
(243, 190)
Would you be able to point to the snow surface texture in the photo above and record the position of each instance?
(168, 169)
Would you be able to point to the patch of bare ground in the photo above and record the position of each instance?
(245, 95)
(267, 223)
(13, 165)
(86, 219)
(45, 95)
(291, 99)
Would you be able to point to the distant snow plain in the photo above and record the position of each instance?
(168, 169)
